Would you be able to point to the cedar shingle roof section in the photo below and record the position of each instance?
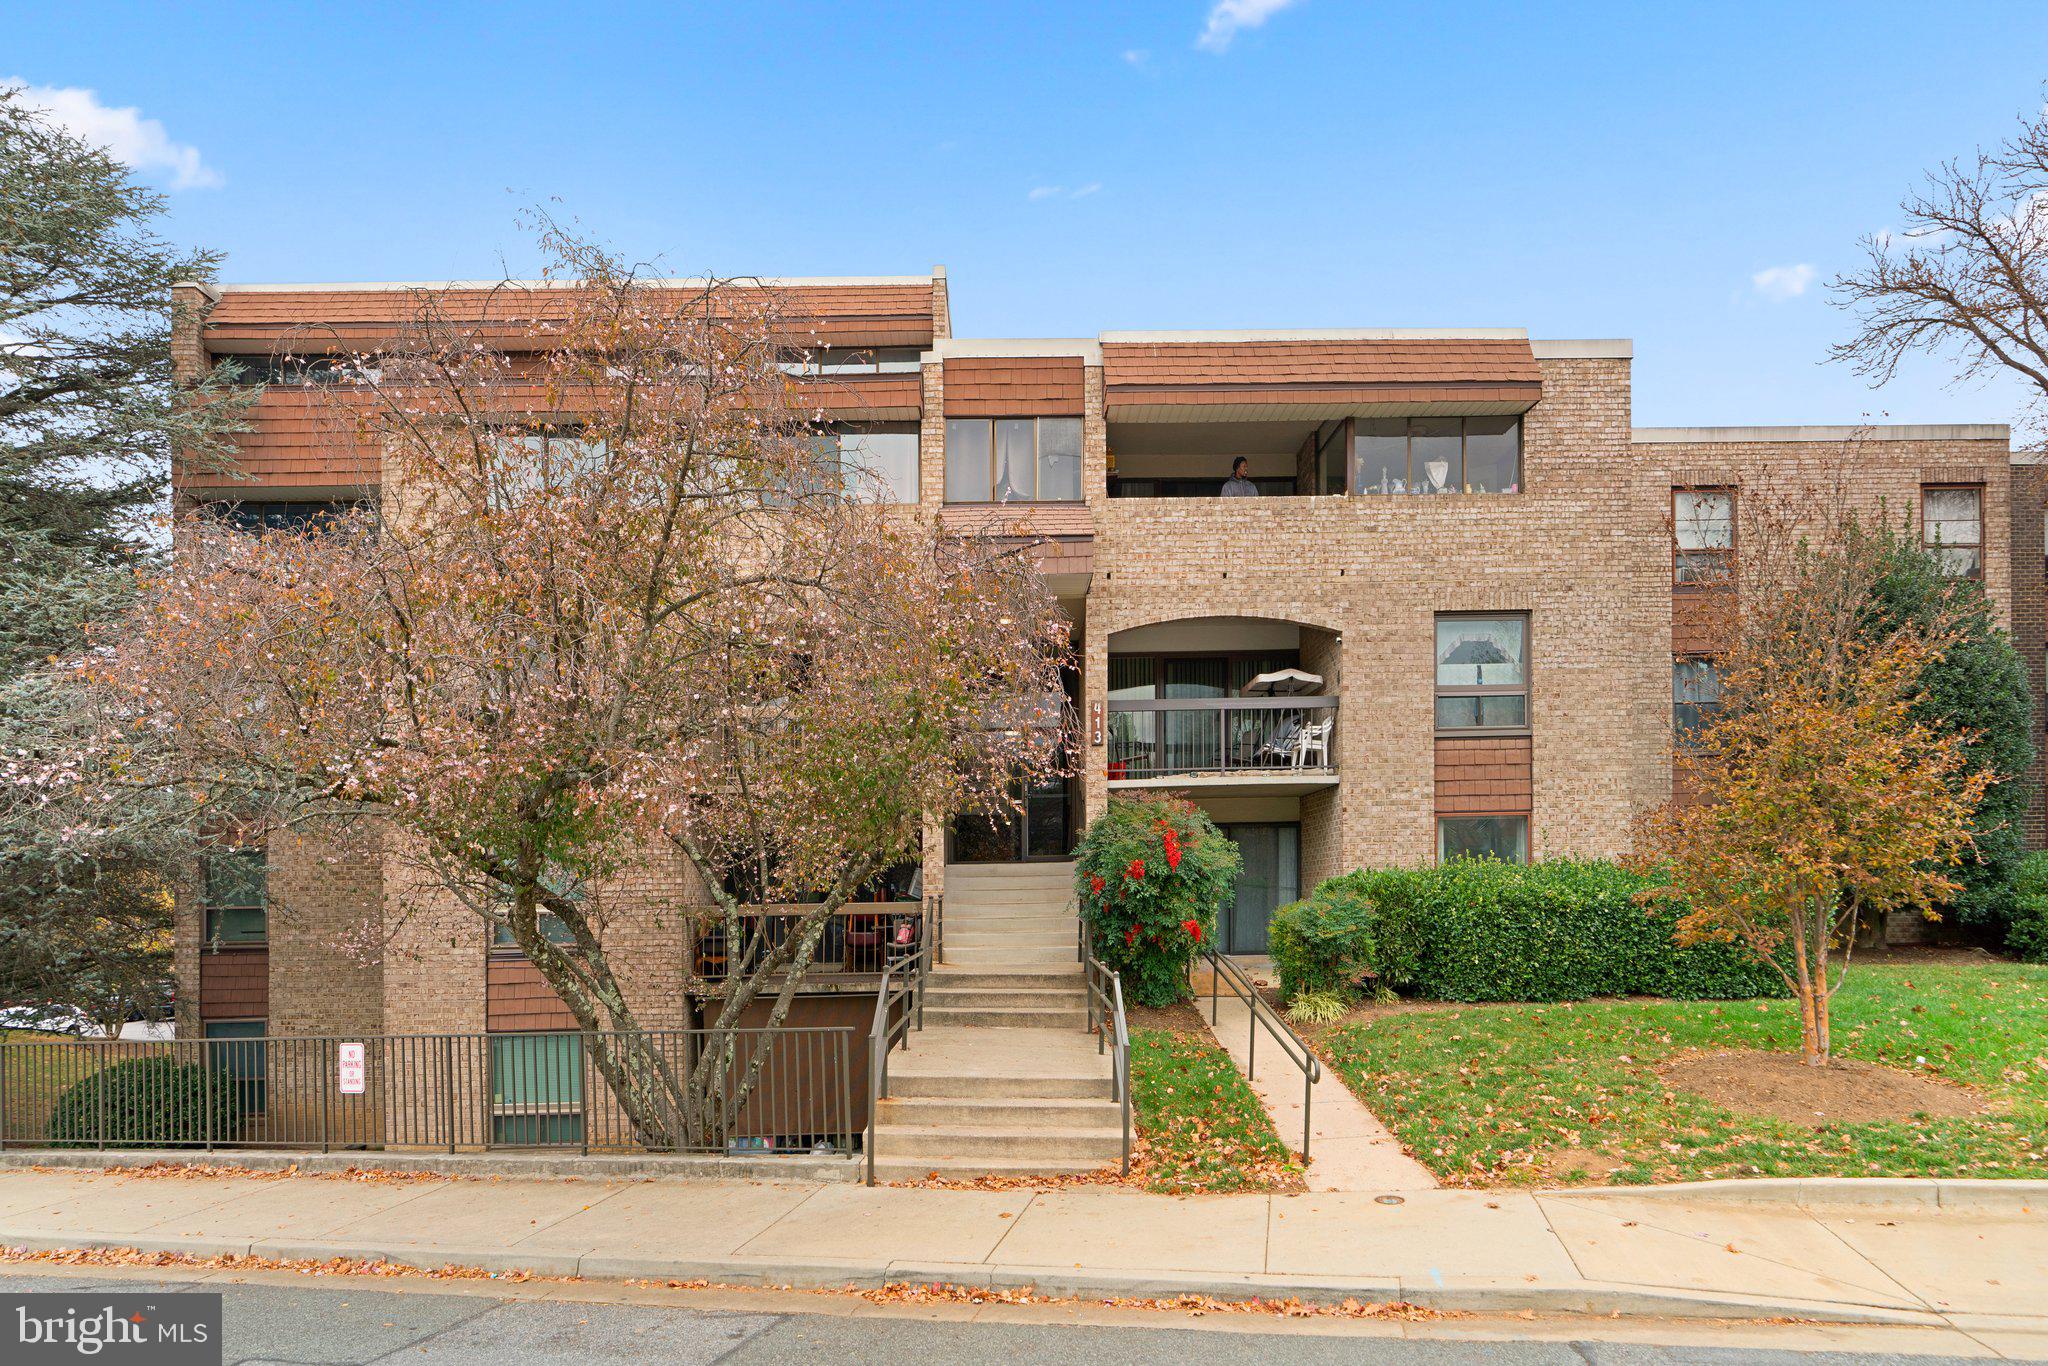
(1017, 519)
(247, 319)
(1379, 370)
(1013, 386)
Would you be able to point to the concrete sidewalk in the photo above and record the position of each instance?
(1349, 1149)
(1983, 1259)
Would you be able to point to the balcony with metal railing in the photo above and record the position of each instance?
(1277, 745)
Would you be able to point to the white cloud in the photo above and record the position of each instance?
(1137, 56)
(1090, 188)
(1780, 283)
(1039, 192)
(1226, 17)
(1047, 191)
(128, 137)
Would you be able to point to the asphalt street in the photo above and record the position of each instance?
(358, 1323)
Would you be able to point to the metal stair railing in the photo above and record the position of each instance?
(1106, 1017)
(885, 1032)
(1223, 972)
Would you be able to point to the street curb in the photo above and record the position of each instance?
(522, 1166)
(1452, 1295)
(1820, 1193)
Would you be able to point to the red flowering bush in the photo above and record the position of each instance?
(1150, 873)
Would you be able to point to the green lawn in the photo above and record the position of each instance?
(1200, 1128)
(1490, 1095)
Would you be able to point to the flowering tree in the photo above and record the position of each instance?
(1816, 795)
(1150, 873)
(615, 602)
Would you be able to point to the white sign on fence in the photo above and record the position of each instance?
(351, 1071)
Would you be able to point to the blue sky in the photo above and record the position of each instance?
(1686, 175)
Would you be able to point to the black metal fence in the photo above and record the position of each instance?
(431, 1092)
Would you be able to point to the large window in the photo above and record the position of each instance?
(841, 360)
(1952, 528)
(536, 1089)
(1702, 535)
(1695, 692)
(1428, 455)
(1013, 460)
(1482, 672)
(234, 888)
(277, 515)
(290, 370)
(1502, 838)
(880, 461)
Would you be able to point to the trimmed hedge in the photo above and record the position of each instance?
(2026, 933)
(146, 1103)
(1477, 930)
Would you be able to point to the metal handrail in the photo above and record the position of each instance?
(884, 1035)
(1106, 1011)
(1222, 971)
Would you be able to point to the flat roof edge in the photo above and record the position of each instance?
(1875, 431)
(1325, 334)
(1584, 348)
(956, 348)
(677, 282)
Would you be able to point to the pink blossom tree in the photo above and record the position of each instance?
(617, 605)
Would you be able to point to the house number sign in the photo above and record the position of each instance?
(1095, 723)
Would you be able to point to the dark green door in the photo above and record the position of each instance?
(1270, 879)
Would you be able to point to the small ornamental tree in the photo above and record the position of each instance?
(1818, 794)
(619, 607)
(1149, 874)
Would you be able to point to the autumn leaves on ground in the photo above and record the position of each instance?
(1640, 1090)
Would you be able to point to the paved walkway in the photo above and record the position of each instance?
(1349, 1149)
(1977, 1257)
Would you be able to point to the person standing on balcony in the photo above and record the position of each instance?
(1239, 484)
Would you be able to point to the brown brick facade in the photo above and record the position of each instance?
(1583, 551)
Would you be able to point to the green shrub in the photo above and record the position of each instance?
(2026, 934)
(146, 1103)
(1559, 930)
(1150, 873)
(1323, 944)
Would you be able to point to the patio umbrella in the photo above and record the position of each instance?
(1283, 683)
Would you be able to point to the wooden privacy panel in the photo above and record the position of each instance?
(234, 984)
(1483, 776)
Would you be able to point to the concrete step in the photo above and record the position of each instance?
(978, 998)
(1007, 1017)
(1016, 939)
(955, 916)
(1033, 978)
(993, 956)
(1008, 894)
(969, 1168)
(961, 1086)
(1002, 1113)
(1010, 872)
(1089, 1146)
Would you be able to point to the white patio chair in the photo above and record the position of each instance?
(1314, 739)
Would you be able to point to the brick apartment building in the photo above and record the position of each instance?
(1460, 548)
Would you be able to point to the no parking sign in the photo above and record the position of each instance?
(350, 1069)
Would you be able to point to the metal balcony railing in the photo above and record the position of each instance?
(1153, 738)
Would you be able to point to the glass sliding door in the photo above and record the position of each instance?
(1192, 741)
(1271, 878)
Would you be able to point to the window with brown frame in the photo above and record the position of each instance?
(1013, 460)
(1482, 672)
(1702, 536)
(1952, 527)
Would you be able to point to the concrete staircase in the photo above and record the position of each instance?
(1004, 1079)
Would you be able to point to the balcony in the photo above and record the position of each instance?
(1275, 745)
